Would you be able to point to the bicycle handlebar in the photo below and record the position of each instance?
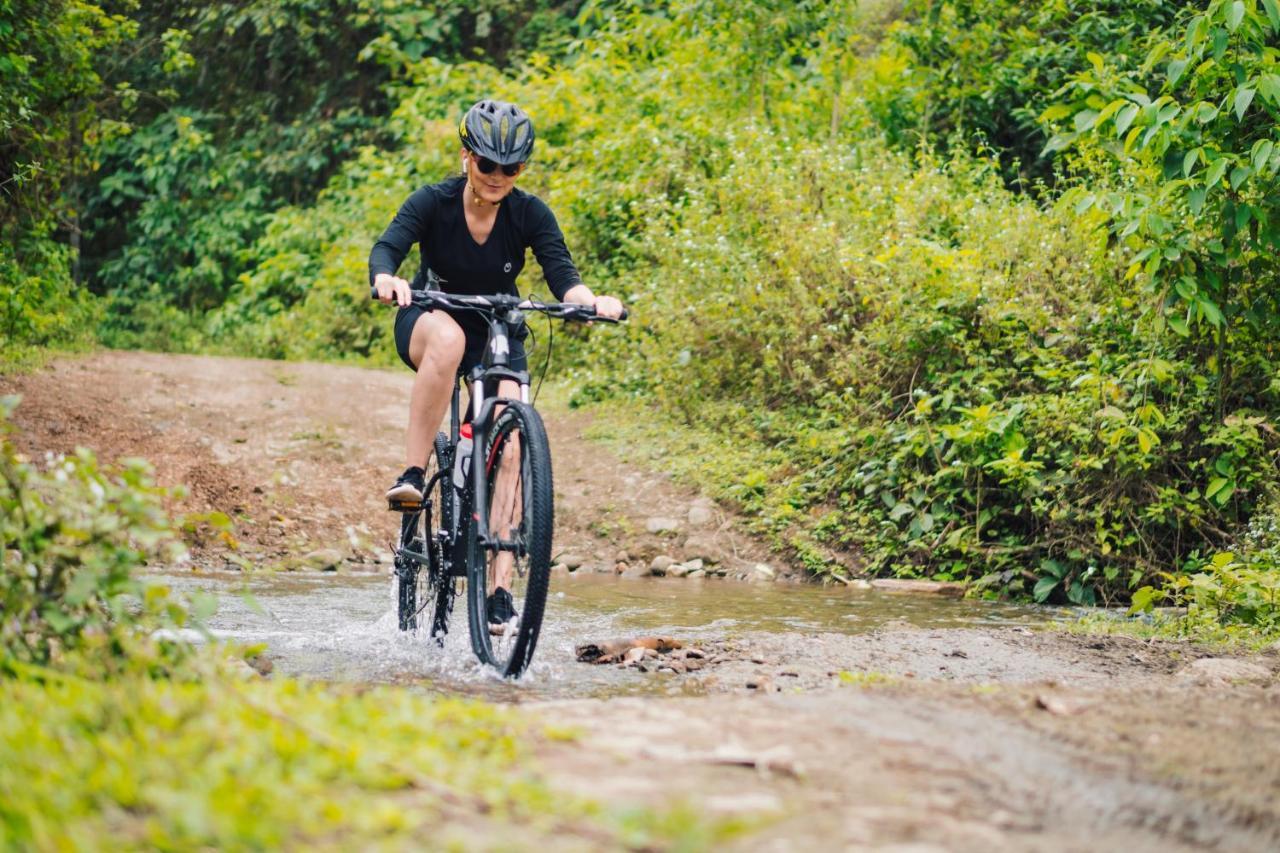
(498, 301)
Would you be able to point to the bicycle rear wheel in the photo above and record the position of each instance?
(423, 560)
(517, 562)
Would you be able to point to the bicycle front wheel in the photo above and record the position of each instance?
(508, 576)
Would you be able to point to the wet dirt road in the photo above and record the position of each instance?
(829, 720)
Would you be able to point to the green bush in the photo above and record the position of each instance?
(40, 306)
(978, 73)
(73, 539)
(50, 88)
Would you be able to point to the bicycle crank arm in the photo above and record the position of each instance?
(510, 545)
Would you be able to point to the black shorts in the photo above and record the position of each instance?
(477, 335)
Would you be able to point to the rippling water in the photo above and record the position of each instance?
(343, 627)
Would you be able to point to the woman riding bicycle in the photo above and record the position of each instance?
(472, 232)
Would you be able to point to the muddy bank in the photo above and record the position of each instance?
(298, 456)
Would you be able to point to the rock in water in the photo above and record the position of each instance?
(659, 565)
(946, 589)
(634, 571)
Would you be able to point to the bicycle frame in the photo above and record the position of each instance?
(484, 410)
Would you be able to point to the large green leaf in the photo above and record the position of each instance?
(1044, 588)
(1273, 12)
(1124, 118)
(1261, 154)
(1189, 161)
(1235, 14)
(1217, 169)
(1242, 100)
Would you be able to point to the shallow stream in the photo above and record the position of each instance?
(343, 627)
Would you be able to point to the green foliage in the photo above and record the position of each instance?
(882, 356)
(168, 764)
(50, 92)
(1234, 597)
(73, 537)
(40, 307)
(1194, 128)
(196, 206)
(978, 73)
(48, 86)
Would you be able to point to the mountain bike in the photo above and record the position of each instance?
(486, 517)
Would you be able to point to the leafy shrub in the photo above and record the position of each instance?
(1234, 596)
(73, 539)
(910, 364)
(40, 306)
(979, 73)
(50, 88)
(1197, 150)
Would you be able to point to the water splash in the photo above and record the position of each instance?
(344, 627)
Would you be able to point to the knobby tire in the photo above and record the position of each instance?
(512, 653)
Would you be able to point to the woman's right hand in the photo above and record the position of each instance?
(392, 289)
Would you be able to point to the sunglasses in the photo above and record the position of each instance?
(486, 166)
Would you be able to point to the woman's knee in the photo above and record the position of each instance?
(438, 337)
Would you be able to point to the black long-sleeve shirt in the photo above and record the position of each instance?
(433, 218)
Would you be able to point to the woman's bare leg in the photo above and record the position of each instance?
(435, 349)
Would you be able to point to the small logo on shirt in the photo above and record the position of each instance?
(507, 267)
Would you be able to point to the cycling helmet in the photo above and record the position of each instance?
(498, 130)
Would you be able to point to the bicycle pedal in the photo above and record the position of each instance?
(404, 506)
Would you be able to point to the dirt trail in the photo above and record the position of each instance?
(967, 739)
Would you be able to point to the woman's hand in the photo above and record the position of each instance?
(606, 306)
(392, 289)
